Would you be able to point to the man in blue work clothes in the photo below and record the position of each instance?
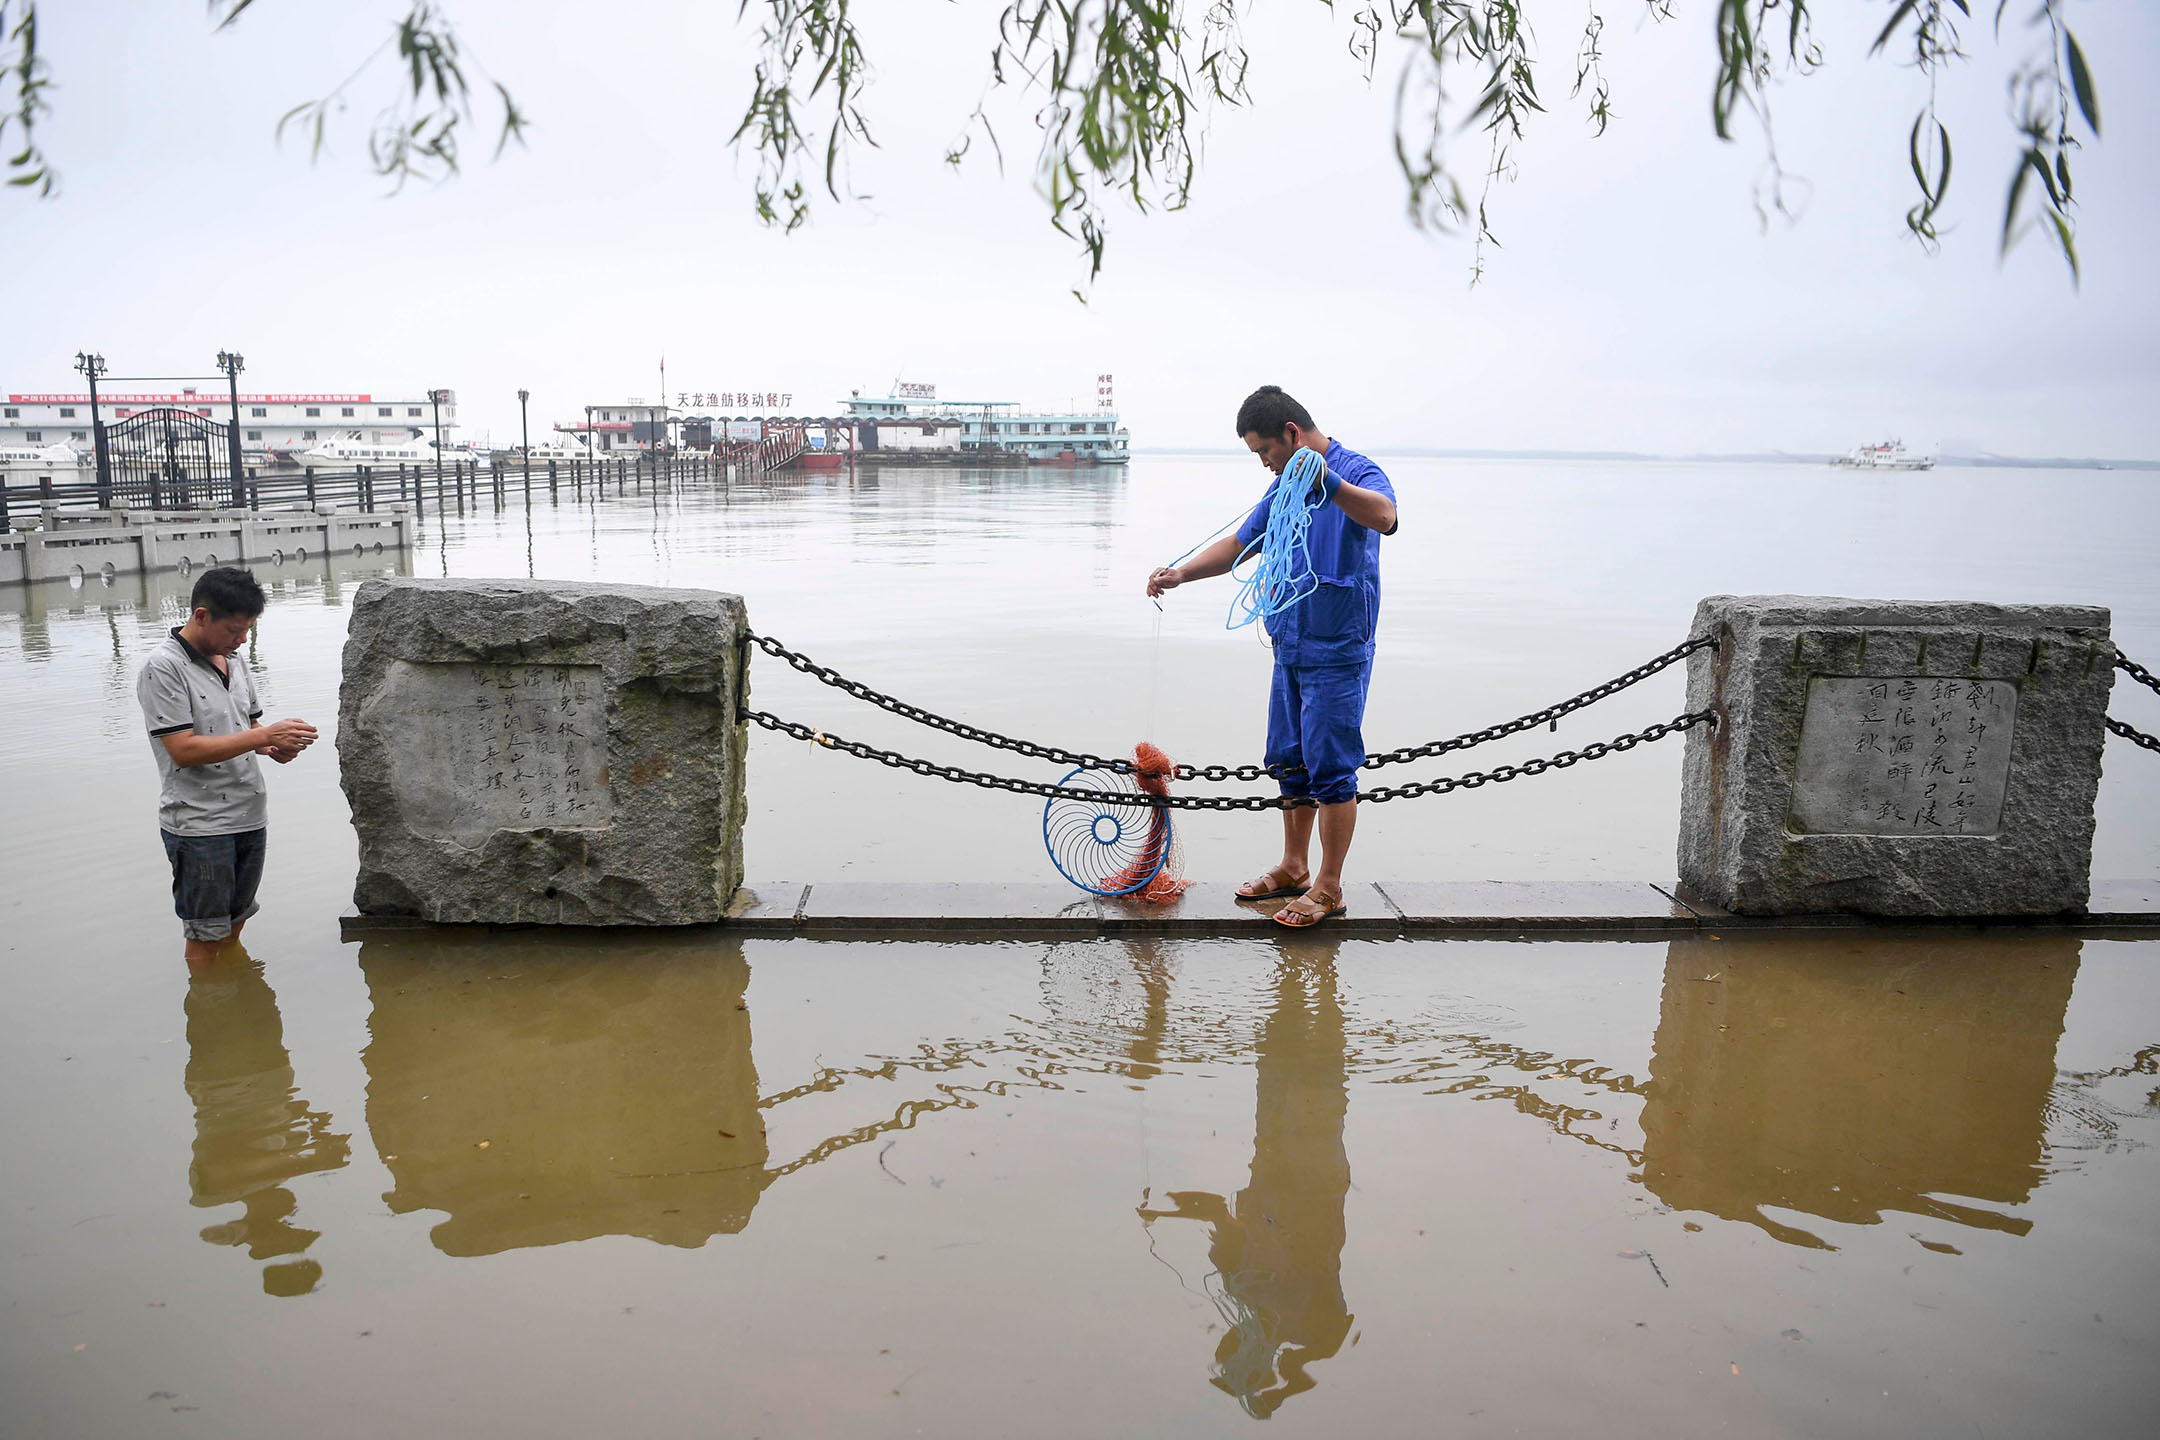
(1323, 649)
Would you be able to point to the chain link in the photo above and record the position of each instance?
(1499, 774)
(1080, 759)
(2135, 737)
(2146, 678)
(2137, 672)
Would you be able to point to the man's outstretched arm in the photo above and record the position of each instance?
(1216, 559)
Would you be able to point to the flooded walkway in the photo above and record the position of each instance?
(532, 1184)
(1770, 1186)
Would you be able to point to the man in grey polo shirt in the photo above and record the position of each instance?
(199, 704)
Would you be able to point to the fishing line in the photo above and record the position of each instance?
(1285, 573)
(1154, 673)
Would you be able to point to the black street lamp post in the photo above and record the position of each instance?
(525, 437)
(91, 367)
(231, 364)
(436, 398)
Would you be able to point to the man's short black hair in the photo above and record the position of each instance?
(227, 591)
(1267, 410)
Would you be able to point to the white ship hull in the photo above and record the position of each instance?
(354, 453)
(1890, 455)
(45, 458)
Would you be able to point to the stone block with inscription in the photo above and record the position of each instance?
(1896, 758)
(543, 752)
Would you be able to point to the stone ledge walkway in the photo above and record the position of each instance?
(1610, 909)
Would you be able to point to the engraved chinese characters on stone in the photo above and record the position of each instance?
(1903, 755)
(497, 747)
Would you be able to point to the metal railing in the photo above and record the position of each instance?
(453, 484)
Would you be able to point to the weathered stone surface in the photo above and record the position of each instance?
(1894, 758)
(543, 752)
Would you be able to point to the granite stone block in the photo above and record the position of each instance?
(1894, 758)
(544, 752)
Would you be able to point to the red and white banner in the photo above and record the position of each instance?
(200, 397)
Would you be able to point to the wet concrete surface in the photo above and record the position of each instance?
(1432, 906)
(1613, 908)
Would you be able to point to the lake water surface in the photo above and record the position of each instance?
(525, 1184)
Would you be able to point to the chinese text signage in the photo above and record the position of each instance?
(1903, 755)
(734, 399)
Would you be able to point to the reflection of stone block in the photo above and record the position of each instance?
(1915, 1078)
(542, 1092)
(1894, 757)
(543, 751)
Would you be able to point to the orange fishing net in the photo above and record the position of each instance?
(1161, 858)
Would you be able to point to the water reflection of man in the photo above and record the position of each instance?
(1277, 1254)
(253, 1132)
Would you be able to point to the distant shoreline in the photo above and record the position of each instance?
(1426, 452)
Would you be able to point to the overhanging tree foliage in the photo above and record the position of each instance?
(1124, 90)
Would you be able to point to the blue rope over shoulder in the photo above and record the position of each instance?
(1284, 574)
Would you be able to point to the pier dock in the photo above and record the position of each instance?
(1387, 909)
(87, 544)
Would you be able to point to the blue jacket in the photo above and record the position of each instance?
(1336, 624)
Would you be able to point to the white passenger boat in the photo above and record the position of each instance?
(1890, 455)
(46, 458)
(351, 450)
(562, 451)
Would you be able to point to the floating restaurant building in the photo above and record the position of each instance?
(271, 426)
(911, 417)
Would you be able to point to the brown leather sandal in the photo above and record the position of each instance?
(1309, 910)
(1273, 889)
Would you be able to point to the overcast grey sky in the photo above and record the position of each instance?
(1636, 304)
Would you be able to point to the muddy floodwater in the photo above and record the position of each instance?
(532, 1184)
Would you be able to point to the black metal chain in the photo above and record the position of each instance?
(2135, 737)
(2137, 672)
(2151, 682)
(1471, 781)
(1217, 773)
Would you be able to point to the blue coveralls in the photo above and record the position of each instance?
(1324, 643)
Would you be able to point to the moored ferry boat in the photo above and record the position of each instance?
(562, 451)
(1890, 455)
(45, 458)
(911, 419)
(347, 451)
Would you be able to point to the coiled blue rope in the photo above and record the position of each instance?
(1284, 574)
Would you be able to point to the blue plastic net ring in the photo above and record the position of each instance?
(1092, 842)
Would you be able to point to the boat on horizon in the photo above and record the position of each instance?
(1890, 455)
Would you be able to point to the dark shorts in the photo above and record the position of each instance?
(1316, 718)
(214, 879)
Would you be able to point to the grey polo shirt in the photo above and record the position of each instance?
(180, 689)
